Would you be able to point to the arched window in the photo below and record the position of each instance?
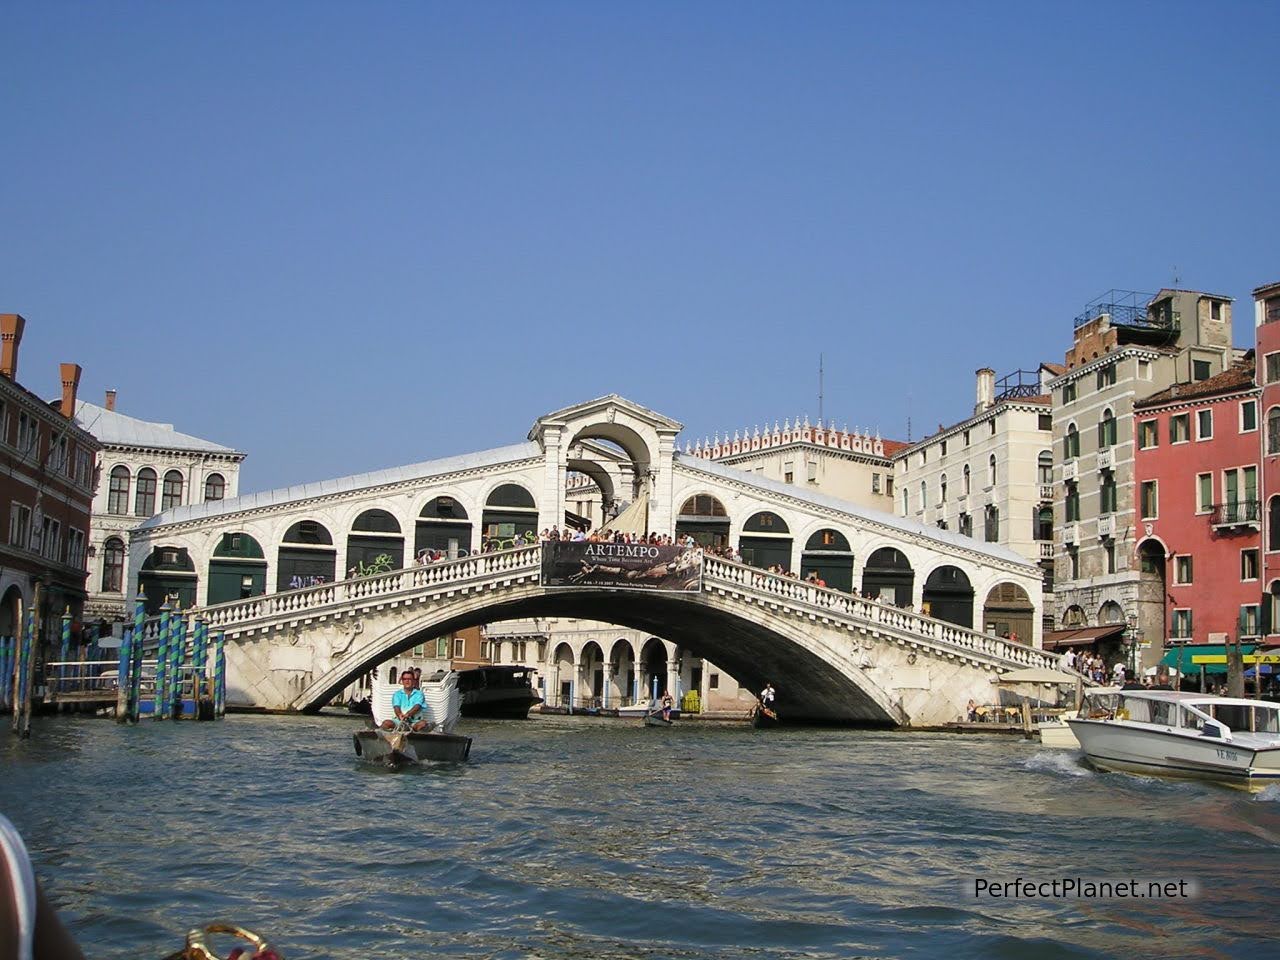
(924, 495)
(1071, 443)
(1273, 431)
(171, 496)
(113, 565)
(1107, 430)
(942, 489)
(1045, 465)
(144, 500)
(991, 470)
(968, 481)
(991, 524)
(1273, 528)
(215, 487)
(118, 494)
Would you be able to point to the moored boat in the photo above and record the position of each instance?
(437, 744)
(656, 720)
(1184, 735)
(497, 692)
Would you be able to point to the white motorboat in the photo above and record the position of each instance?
(1186, 735)
(437, 743)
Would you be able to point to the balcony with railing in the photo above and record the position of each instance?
(1106, 459)
(1238, 513)
(1046, 492)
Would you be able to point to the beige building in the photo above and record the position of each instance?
(143, 468)
(854, 466)
(990, 477)
(1126, 346)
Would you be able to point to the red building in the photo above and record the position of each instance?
(1267, 317)
(1197, 506)
(46, 493)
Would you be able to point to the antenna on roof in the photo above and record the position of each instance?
(908, 418)
(819, 388)
(1177, 278)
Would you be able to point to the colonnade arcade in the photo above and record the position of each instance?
(610, 673)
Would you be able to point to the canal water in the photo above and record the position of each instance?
(581, 838)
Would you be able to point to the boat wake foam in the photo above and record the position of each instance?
(1065, 762)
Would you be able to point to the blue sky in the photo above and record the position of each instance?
(348, 236)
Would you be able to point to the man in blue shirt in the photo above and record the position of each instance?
(409, 705)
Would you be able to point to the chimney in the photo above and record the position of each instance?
(986, 389)
(111, 399)
(11, 325)
(70, 384)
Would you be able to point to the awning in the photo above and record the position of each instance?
(1189, 658)
(1082, 636)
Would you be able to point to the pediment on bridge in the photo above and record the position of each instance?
(602, 415)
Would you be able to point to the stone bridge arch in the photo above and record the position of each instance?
(814, 671)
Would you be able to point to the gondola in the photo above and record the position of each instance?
(764, 717)
(656, 720)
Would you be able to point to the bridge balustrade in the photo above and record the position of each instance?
(409, 580)
(907, 621)
(526, 560)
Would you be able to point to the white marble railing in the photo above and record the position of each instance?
(939, 632)
(522, 562)
(410, 581)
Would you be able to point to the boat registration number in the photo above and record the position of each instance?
(1227, 754)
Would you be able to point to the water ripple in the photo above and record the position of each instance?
(565, 838)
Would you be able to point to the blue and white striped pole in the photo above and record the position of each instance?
(177, 657)
(219, 674)
(66, 647)
(199, 637)
(136, 656)
(162, 662)
(124, 682)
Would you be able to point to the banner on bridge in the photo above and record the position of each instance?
(621, 566)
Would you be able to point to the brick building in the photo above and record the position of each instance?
(1196, 509)
(46, 491)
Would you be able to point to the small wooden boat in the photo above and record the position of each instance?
(764, 717)
(437, 744)
(656, 720)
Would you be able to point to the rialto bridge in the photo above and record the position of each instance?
(315, 584)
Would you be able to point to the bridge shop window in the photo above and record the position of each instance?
(828, 554)
(307, 557)
(888, 576)
(766, 541)
(948, 596)
(238, 569)
(443, 526)
(704, 518)
(168, 573)
(509, 513)
(375, 544)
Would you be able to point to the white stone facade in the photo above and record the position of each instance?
(135, 446)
